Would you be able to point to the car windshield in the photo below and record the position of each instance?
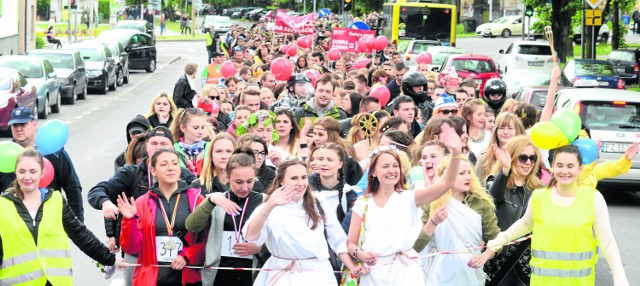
(5, 82)
(518, 79)
(222, 20)
(439, 53)
(131, 25)
(620, 56)
(612, 115)
(27, 68)
(121, 37)
(475, 66)
(419, 47)
(91, 54)
(536, 50)
(594, 69)
(539, 98)
(58, 61)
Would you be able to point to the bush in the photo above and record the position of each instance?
(103, 8)
(39, 40)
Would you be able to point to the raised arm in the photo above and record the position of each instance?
(547, 111)
(279, 197)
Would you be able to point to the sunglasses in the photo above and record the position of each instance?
(524, 158)
(214, 97)
(449, 111)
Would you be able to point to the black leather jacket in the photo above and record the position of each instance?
(75, 229)
(511, 203)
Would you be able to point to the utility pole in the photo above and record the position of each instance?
(69, 21)
(91, 19)
(193, 17)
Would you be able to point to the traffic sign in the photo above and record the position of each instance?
(593, 3)
(593, 17)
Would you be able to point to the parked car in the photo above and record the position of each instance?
(519, 78)
(15, 91)
(249, 15)
(228, 12)
(101, 67)
(139, 46)
(121, 58)
(39, 72)
(505, 27)
(258, 16)
(240, 14)
(613, 117)
(440, 53)
(526, 54)
(603, 34)
(626, 62)
(592, 73)
(534, 95)
(221, 24)
(479, 68)
(415, 47)
(69, 67)
(140, 25)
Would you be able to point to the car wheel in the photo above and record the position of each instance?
(112, 87)
(119, 77)
(56, 107)
(506, 33)
(104, 87)
(125, 78)
(152, 65)
(35, 110)
(72, 99)
(83, 95)
(45, 111)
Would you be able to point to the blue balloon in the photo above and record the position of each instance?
(51, 137)
(359, 26)
(588, 150)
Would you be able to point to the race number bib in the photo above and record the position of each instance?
(228, 241)
(167, 248)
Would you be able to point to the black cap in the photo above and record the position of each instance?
(162, 132)
(21, 115)
(217, 54)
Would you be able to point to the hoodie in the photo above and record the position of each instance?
(138, 121)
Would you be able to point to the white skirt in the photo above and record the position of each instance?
(395, 269)
(302, 272)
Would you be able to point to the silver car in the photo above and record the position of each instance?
(414, 48)
(612, 116)
(39, 72)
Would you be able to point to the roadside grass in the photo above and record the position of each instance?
(61, 29)
(601, 50)
(461, 34)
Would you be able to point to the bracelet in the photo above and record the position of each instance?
(355, 254)
(431, 219)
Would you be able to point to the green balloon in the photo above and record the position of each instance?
(9, 152)
(569, 123)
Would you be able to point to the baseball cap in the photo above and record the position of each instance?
(162, 132)
(137, 128)
(21, 115)
(217, 54)
(445, 101)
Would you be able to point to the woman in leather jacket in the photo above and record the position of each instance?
(514, 179)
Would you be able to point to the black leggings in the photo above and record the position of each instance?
(55, 41)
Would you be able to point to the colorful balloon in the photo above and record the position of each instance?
(371, 43)
(304, 42)
(588, 150)
(51, 137)
(284, 48)
(9, 152)
(381, 43)
(361, 63)
(334, 54)
(424, 58)
(313, 74)
(48, 175)
(281, 69)
(382, 94)
(569, 122)
(292, 51)
(228, 69)
(547, 135)
(362, 44)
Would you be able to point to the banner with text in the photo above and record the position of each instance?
(346, 40)
(294, 24)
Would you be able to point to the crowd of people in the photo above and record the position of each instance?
(248, 180)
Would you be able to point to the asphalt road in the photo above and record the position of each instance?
(97, 135)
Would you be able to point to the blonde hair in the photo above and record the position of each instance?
(508, 104)
(515, 147)
(208, 169)
(503, 120)
(476, 188)
(268, 91)
(208, 88)
(172, 111)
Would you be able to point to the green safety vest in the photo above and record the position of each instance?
(24, 262)
(563, 246)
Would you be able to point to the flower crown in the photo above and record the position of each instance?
(383, 149)
(266, 117)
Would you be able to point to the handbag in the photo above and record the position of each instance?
(348, 279)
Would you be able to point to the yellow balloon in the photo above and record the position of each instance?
(547, 135)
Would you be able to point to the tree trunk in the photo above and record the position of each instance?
(615, 37)
(561, 25)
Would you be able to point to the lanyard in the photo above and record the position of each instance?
(233, 218)
(173, 216)
(149, 177)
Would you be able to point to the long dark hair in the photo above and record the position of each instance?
(569, 149)
(309, 201)
(342, 156)
(295, 129)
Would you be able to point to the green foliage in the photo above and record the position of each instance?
(103, 8)
(42, 8)
(40, 40)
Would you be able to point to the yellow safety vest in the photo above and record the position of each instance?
(563, 247)
(209, 39)
(24, 262)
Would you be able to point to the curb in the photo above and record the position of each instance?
(177, 58)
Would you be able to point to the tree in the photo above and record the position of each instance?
(559, 16)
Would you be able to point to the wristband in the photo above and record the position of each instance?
(431, 219)
(355, 254)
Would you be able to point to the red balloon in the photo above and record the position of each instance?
(47, 177)
(284, 49)
(292, 51)
(334, 54)
(362, 44)
(381, 43)
(304, 42)
(282, 69)
(382, 94)
(313, 75)
(228, 69)
(371, 43)
(361, 63)
(424, 58)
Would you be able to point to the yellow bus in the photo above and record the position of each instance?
(412, 20)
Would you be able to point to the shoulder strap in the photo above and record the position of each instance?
(137, 176)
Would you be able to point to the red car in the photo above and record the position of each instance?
(478, 67)
(15, 91)
(535, 95)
